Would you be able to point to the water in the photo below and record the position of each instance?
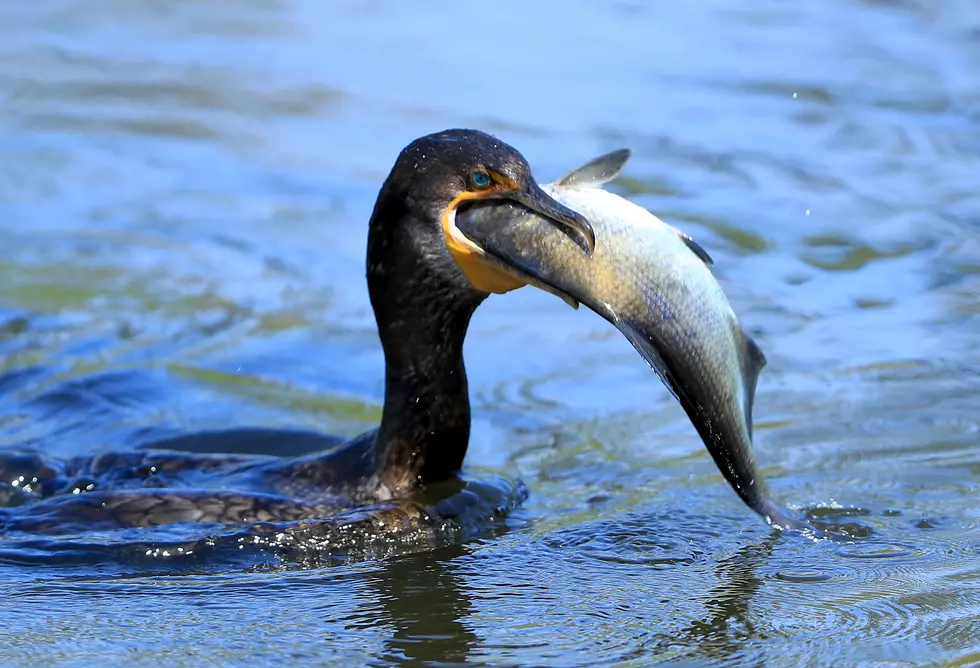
(184, 189)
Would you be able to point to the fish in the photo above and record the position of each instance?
(654, 283)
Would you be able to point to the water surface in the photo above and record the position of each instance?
(184, 190)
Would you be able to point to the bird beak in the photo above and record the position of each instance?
(506, 248)
(490, 275)
(571, 223)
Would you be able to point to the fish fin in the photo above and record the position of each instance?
(753, 361)
(596, 172)
(650, 355)
(541, 285)
(571, 301)
(694, 246)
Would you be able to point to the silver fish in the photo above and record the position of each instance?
(653, 283)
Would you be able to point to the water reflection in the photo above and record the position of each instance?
(722, 634)
(423, 601)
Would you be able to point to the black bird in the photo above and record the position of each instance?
(425, 281)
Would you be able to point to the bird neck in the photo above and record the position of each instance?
(422, 310)
(425, 426)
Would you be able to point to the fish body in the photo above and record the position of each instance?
(654, 284)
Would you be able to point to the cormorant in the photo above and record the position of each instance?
(425, 281)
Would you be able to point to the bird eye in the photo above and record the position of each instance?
(480, 179)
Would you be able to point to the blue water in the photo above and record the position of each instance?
(184, 190)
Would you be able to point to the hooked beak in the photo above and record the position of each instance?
(571, 223)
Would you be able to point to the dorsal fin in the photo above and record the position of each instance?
(596, 172)
(604, 169)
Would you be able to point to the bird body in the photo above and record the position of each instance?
(422, 300)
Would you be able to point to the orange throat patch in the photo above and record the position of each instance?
(470, 258)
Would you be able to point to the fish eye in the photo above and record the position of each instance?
(480, 179)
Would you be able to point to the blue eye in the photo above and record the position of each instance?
(480, 179)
